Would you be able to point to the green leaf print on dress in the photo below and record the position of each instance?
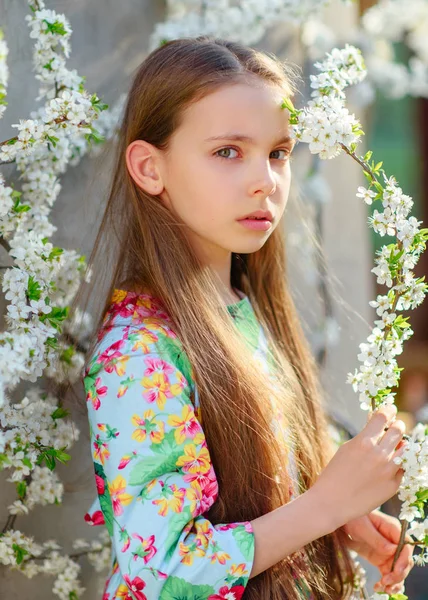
(152, 467)
(104, 497)
(244, 541)
(179, 589)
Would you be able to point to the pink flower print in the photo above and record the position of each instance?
(96, 392)
(100, 483)
(233, 593)
(199, 502)
(186, 425)
(147, 307)
(125, 538)
(142, 339)
(118, 495)
(172, 499)
(131, 589)
(97, 518)
(182, 381)
(207, 481)
(125, 460)
(101, 450)
(111, 354)
(158, 574)
(146, 550)
(248, 527)
(158, 389)
(157, 365)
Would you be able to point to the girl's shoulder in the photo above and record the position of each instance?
(136, 325)
(135, 309)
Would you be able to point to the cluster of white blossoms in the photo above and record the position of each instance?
(19, 552)
(245, 21)
(394, 263)
(382, 26)
(36, 432)
(325, 123)
(414, 486)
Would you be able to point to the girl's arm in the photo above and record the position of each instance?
(289, 528)
(154, 475)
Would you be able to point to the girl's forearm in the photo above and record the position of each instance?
(290, 527)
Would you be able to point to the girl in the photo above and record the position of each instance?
(212, 460)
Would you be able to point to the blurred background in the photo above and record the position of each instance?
(330, 246)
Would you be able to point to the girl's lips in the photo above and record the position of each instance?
(256, 224)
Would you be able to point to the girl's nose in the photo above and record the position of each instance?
(265, 183)
(263, 180)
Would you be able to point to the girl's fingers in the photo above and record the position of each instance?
(405, 561)
(392, 437)
(402, 568)
(394, 589)
(379, 420)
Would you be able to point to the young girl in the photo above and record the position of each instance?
(212, 461)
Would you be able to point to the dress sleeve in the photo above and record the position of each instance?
(154, 476)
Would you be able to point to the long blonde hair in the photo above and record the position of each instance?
(152, 251)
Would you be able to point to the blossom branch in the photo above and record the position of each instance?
(326, 125)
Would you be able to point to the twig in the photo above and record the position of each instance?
(5, 245)
(72, 556)
(404, 527)
(367, 169)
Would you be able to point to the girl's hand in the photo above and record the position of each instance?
(375, 537)
(362, 474)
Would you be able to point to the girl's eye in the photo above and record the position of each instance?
(226, 153)
(228, 149)
(287, 153)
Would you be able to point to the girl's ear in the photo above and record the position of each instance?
(142, 162)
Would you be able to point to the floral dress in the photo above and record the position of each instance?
(153, 472)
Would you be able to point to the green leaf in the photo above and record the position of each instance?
(172, 351)
(56, 251)
(50, 455)
(4, 460)
(34, 290)
(21, 489)
(176, 525)
(60, 413)
(95, 136)
(105, 500)
(398, 597)
(179, 589)
(56, 27)
(422, 495)
(67, 355)
(168, 444)
(151, 467)
(55, 317)
(286, 103)
(19, 553)
(245, 541)
(52, 139)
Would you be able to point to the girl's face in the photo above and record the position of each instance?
(229, 157)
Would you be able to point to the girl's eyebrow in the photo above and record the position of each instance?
(239, 137)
